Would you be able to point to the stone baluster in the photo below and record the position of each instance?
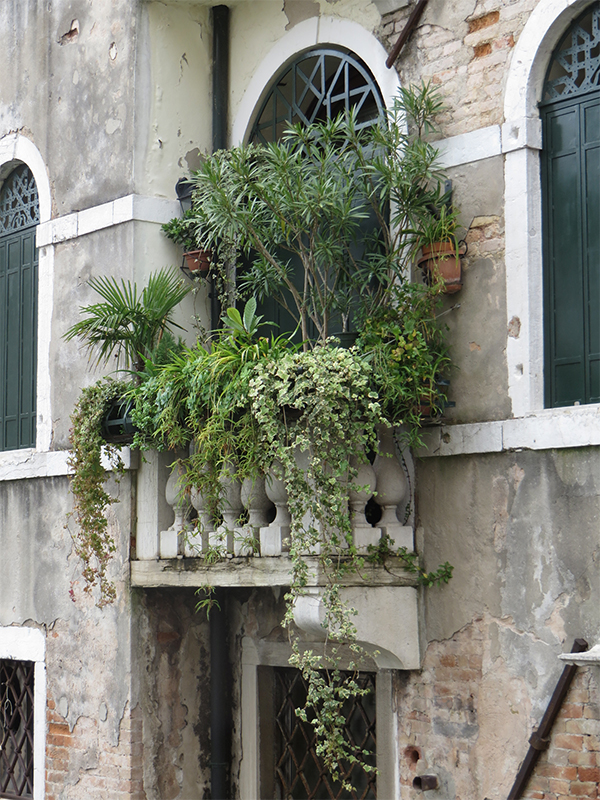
(392, 488)
(171, 540)
(231, 508)
(361, 491)
(196, 541)
(273, 536)
(258, 505)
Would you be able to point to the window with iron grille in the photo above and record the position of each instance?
(16, 728)
(292, 768)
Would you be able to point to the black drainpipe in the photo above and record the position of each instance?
(220, 109)
(220, 670)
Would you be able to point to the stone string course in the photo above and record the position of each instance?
(466, 50)
(79, 764)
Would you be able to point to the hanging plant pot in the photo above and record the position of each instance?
(117, 425)
(196, 263)
(442, 260)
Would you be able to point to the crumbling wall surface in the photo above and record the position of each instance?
(465, 47)
(521, 531)
(70, 89)
(172, 650)
(92, 739)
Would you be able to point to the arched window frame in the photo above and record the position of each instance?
(16, 149)
(521, 143)
(312, 33)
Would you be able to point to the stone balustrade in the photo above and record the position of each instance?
(262, 505)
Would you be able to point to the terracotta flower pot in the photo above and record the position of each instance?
(441, 260)
(197, 261)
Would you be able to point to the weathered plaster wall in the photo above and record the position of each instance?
(70, 89)
(172, 646)
(88, 650)
(174, 94)
(521, 531)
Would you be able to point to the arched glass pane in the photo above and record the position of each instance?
(575, 65)
(317, 86)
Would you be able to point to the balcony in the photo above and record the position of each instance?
(178, 545)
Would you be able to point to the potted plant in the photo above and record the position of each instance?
(180, 230)
(133, 327)
(440, 250)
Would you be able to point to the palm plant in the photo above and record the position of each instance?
(126, 323)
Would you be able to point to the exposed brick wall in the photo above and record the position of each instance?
(466, 50)
(467, 718)
(570, 768)
(81, 763)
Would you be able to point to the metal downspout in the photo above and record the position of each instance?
(220, 670)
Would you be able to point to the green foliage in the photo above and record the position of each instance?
(92, 540)
(407, 350)
(180, 230)
(381, 553)
(125, 324)
(301, 202)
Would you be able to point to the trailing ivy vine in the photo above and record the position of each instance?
(92, 541)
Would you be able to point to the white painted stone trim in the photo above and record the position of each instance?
(25, 464)
(29, 644)
(575, 426)
(522, 129)
(305, 35)
(132, 207)
(591, 658)
(16, 148)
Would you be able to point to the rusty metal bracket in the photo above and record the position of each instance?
(540, 738)
(408, 29)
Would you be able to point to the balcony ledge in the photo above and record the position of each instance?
(249, 571)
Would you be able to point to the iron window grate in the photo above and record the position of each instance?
(16, 728)
(299, 771)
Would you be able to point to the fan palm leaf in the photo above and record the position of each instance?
(128, 324)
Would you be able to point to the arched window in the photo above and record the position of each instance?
(317, 86)
(570, 111)
(19, 215)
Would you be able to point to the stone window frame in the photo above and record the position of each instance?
(15, 150)
(260, 653)
(29, 644)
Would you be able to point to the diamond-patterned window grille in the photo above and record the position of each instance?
(317, 86)
(19, 206)
(16, 728)
(575, 65)
(300, 773)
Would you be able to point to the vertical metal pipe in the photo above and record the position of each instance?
(220, 671)
(220, 699)
(220, 83)
(220, 111)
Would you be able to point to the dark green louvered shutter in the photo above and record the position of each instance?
(571, 216)
(19, 215)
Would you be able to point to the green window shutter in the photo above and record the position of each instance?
(18, 311)
(571, 215)
(570, 182)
